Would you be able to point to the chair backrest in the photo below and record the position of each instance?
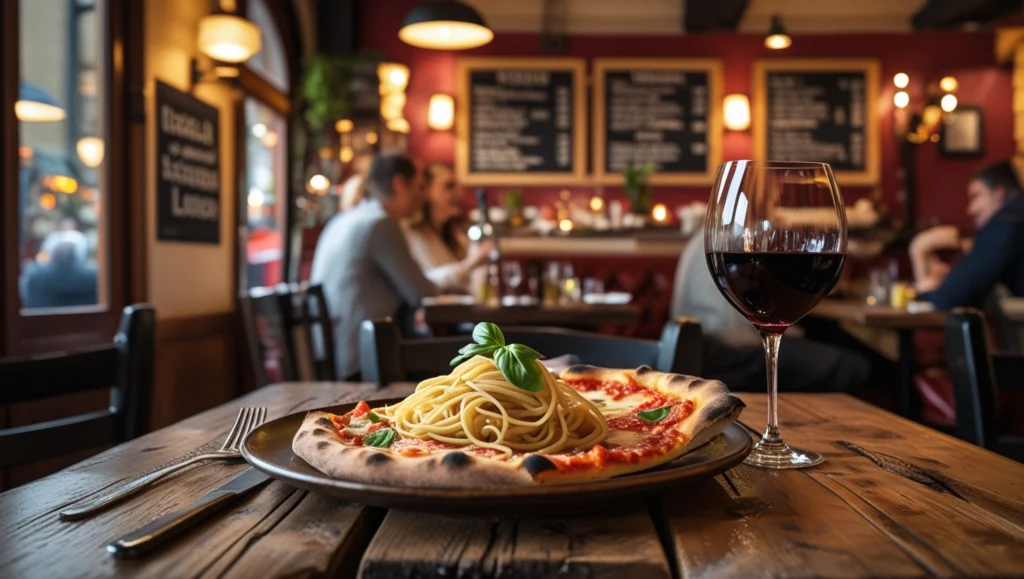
(975, 391)
(265, 314)
(1007, 314)
(385, 356)
(125, 367)
(310, 332)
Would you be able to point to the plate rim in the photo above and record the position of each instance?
(650, 478)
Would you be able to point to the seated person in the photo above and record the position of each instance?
(437, 237)
(363, 261)
(997, 207)
(733, 351)
(66, 280)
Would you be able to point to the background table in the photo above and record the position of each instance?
(439, 316)
(904, 323)
(892, 498)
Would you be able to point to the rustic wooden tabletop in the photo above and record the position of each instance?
(858, 312)
(893, 498)
(572, 315)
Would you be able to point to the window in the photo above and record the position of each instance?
(266, 188)
(62, 140)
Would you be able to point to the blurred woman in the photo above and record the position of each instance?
(438, 239)
(995, 203)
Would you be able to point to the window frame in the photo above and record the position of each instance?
(255, 86)
(34, 332)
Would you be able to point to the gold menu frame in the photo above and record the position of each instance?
(577, 66)
(711, 66)
(872, 70)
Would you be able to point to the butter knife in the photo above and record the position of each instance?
(170, 526)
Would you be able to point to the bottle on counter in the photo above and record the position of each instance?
(480, 282)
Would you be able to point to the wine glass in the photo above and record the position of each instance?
(512, 274)
(775, 241)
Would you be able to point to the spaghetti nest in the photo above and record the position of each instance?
(476, 405)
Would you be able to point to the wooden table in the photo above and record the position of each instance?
(893, 498)
(901, 321)
(574, 315)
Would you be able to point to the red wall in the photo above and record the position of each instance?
(931, 55)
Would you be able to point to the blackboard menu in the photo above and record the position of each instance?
(824, 113)
(187, 168)
(660, 111)
(521, 121)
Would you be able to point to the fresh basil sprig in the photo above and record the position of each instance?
(654, 414)
(380, 438)
(518, 363)
(374, 417)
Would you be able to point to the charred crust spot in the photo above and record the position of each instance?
(641, 370)
(681, 378)
(301, 434)
(536, 464)
(377, 458)
(322, 445)
(325, 422)
(577, 368)
(320, 432)
(725, 406)
(455, 460)
(431, 464)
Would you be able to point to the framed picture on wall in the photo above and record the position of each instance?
(962, 133)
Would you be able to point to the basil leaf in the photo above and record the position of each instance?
(654, 414)
(374, 417)
(488, 333)
(380, 438)
(523, 372)
(522, 351)
(473, 350)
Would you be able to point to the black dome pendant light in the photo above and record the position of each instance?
(444, 25)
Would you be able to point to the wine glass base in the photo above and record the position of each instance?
(781, 455)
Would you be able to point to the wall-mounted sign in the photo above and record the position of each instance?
(663, 111)
(521, 121)
(187, 168)
(821, 110)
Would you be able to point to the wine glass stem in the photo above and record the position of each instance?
(771, 355)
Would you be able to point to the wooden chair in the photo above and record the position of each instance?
(981, 380)
(310, 332)
(265, 314)
(385, 356)
(125, 367)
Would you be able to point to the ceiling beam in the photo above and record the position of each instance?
(708, 16)
(952, 13)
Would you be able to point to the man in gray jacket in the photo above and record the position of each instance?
(363, 261)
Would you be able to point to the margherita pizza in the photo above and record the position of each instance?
(474, 428)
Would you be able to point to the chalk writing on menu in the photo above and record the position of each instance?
(820, 116)
(658, 116)
(188, 168)
(521, 121)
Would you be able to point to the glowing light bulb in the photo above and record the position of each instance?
(901, 99)
(565, 225)
(318, 183)
(901, 80)
(948, 103)
(660, 213)
(596, 203)
(949, 84)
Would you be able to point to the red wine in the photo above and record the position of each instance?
(774, 290)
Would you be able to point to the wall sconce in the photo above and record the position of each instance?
(229, 40)
(924, 124)
(737, 112)
(441, 112)
(393, 77)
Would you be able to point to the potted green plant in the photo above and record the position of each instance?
(637, 187)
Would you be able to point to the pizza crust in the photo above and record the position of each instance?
(319, 444)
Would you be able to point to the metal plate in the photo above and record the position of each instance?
(269, 449)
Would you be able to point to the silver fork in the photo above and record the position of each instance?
(248, 419)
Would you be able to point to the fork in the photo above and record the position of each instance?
(248, 419)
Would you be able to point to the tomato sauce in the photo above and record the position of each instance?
(615, 390)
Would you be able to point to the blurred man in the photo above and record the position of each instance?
(362, 259)
(63, 281)
(997, 255)
(733, 352)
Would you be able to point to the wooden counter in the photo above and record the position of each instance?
(668, 245)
